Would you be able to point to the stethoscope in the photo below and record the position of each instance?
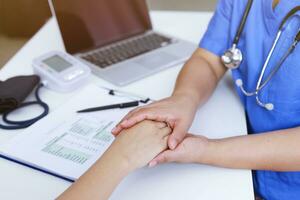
(233, 57)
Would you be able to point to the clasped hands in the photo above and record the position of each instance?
(157, 133)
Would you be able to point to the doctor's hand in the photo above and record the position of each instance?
(178, 111)
(140, 144)
(190, 150)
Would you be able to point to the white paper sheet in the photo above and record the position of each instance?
(66, 143)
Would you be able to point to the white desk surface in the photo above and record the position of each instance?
(222, 116)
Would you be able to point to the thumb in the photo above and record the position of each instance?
(164, 157)
(176, 137)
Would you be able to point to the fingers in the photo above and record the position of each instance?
(164, 143)
(130, 120)
(177, 137)
(130, 114)
(164, 157)
(118, 127)
(138, 116)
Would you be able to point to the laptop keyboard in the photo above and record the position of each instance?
(124, 50)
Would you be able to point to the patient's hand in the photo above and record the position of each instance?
(141, 143)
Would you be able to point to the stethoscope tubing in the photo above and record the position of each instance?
(266, 64)
(243, 22)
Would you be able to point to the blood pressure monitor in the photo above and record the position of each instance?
(61, 72)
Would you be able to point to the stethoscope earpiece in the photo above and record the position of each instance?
(239, 82)
(269, 106)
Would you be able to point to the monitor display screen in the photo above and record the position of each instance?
(87, 24)
(57, 63)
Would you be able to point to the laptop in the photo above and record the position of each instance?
(116, 39)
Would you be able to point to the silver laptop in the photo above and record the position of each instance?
(115, 38)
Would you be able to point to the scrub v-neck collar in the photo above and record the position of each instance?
(274, 16)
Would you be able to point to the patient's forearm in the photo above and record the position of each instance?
(277, 151)
(101, 180)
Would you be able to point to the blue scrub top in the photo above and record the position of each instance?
(283, 90)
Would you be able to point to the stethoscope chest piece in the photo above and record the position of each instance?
(232, 58)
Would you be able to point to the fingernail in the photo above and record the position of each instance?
(152, 164)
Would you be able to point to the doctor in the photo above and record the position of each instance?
(264, 56)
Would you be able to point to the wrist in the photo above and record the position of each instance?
(127, 160)
(128, 164)
(118, 161)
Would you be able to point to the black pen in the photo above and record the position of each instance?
(109, 107)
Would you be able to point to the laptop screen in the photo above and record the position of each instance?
(87, 24)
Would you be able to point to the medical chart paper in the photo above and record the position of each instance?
(67, 144)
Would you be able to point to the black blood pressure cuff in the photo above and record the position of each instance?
(15, 90)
